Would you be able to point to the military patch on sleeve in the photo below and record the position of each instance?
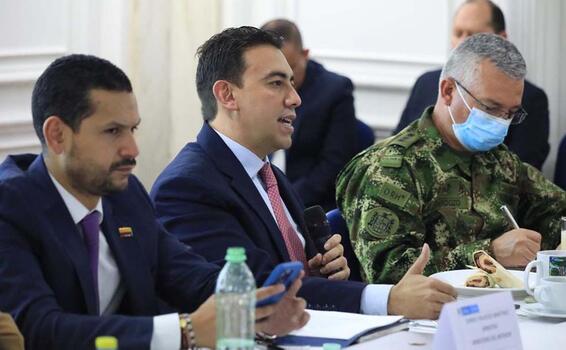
(406, 140)
(381, 222)
(392, 194)
(391, 161)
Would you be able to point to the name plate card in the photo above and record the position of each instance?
(488, 323)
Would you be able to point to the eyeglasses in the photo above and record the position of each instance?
(516, 117)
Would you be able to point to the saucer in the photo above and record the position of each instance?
(538, 310)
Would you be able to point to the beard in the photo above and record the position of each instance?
(86, 176)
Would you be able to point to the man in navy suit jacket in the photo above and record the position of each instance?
(324, 139)
(81, 253)
(213, 194)
(529, 139)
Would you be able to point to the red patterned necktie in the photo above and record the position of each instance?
(291, 238)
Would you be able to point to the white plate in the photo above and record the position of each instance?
(539, 310)
(457, 278)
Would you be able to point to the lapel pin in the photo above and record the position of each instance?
(125, 232)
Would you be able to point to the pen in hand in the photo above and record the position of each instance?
(509, 216)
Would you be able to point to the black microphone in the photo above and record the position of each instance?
(318, 227)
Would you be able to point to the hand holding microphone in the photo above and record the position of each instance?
(330, 260)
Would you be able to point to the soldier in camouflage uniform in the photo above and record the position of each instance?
(442, 185)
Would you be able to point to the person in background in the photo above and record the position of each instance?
(81, 252)
(443, 179)
(222, 191)
(324, 137)
(529, 139)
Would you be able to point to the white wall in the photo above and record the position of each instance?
(154, 42)
(34, 33)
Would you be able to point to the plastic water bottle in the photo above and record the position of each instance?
(106, 343)
(235, 303)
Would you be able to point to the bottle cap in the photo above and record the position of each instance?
(106, 342)
(236, 254)
(331, 346)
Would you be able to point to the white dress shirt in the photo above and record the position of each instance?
(279, 159)
(252, 165)
(374, 296)
(166, 330)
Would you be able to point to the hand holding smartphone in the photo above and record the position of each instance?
(285, 273)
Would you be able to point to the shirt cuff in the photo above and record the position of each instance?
(375, 298)
(166, 332)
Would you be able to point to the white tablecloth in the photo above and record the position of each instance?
(536, 334)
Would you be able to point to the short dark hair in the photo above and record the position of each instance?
(63, 89)
(222, 58)
(285, 29)
(497, 18)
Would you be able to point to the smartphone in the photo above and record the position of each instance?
(285, 273)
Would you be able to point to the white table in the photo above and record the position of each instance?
(536, 333)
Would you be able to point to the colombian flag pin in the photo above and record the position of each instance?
(125, 232)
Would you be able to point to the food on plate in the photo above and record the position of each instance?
(500, 275)
(480, 279)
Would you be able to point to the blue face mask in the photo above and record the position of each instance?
(481, 132)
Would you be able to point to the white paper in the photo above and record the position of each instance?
(341, 325)
(483, 323)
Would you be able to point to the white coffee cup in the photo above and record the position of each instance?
(549, 263)
(550, 292)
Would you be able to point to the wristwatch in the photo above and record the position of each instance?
(187, 333)
(267, 340)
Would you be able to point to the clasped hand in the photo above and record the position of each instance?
(332, 263)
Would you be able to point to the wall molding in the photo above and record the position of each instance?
(20, 66)
(33, 52)
(372, 71)
(17, 134)
(357, 56)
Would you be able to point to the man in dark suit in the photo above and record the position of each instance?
(324, 139)
(222, 191)
(529, 139)
(81, 253)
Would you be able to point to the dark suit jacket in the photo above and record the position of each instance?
(44, 267)
(324, 139)
(529, 140)
(560, 170)
(206, 198)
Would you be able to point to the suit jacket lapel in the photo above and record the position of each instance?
(227, 162)
(63, 228)
(134, 270)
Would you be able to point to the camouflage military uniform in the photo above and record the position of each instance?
(412, 188)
